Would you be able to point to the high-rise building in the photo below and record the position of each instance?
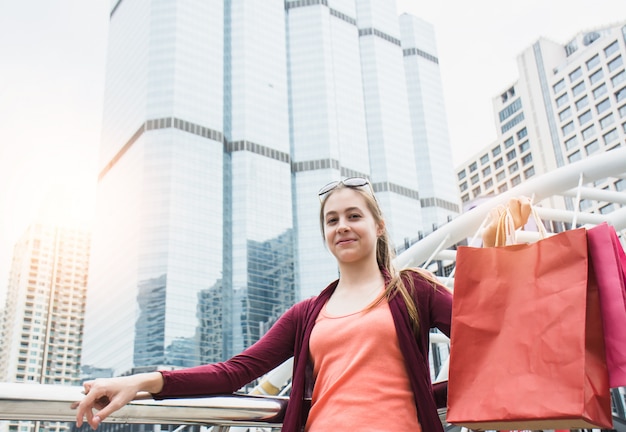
(568, 103)
(221, 122)
(43, 318)
(42, 324)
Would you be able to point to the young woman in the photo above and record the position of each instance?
(360, 347)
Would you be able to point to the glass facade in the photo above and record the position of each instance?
(221, 122)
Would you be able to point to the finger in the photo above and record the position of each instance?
(84, 413)
(95, 422)
(520, 210)
(102, 414)
(525, 208)
(84, 407)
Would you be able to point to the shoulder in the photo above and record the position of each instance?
(308, 305)
(419, 280)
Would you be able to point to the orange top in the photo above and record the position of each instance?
(361, 379)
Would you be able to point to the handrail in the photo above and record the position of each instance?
(47, 402)
(611, 163)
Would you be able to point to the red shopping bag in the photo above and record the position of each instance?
(527, 350)
(609, 263)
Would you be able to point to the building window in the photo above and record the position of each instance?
(584, 117)
(527, 159)
(618, 79)
(500, 176)
(603, 106)
(476, 191)
(525, 146)
(620, 185)
(589, 132)
(463, 187)
(511, 109)
(522, 133)
(496, 151)
(622, 111)
(574, 157)
(620, 95)
(582, 102)
(585, 204)
(607, 209)
(597, 92)
(568, 128)
(616, 63)
(609, 137)
(571, 48)
(473, 167)
(596, 77)
(513, 122)
(575, 74)
(508, 142)
(465, 198)
(529, 172)
(592, 147)
(562, 100)
(578, 88)
(484, 159)
(461, 175)
(486, 171)
(503, 188)
(593, 62)
(511, 155)
(611, 49)
(516, 180)
(565, 114)
(474, 179)
(514, 167)
(558, 87)
(498, 163)
(488, 184)
(607, 121)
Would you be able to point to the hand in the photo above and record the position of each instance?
(107, 395)
(519, 208)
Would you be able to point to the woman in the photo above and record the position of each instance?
(360, 347)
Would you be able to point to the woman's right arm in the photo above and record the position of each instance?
(111, 394)
(107, 395)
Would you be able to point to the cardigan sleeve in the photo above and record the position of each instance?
(275, 347)
(441, 309)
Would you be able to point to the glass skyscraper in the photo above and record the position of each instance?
(221, 122)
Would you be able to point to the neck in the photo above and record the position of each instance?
(359, 276)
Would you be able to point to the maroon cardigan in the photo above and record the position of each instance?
(290, 335)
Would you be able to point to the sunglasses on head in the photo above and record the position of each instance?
(351, 182)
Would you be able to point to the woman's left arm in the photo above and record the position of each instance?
(441, 309)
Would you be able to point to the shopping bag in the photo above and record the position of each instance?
(609, 264)
(526, 345)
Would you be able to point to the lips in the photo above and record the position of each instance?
(345, 241)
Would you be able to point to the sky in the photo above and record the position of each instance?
(52, 60)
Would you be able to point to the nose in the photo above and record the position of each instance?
(342, 226)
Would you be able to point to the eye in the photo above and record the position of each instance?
(331, 220)
(355, 216)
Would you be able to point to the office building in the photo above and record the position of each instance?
(221, 122)
(569, 103)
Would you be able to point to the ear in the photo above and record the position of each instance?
(380, 228)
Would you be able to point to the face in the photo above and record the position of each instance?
(350, 230)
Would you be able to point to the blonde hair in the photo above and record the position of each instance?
(384, 258)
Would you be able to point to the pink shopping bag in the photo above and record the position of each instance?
(609, 264)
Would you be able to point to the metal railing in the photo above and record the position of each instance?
(47, 402)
